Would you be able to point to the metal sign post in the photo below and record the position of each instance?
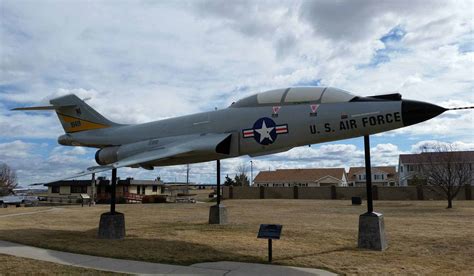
(269, 250)
(270, 232)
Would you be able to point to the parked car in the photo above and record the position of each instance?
(17, 200)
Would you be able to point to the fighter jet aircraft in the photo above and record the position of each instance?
(265, 123)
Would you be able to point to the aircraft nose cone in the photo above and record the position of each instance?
(414, 112)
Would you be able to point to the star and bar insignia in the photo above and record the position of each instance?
(265, 131)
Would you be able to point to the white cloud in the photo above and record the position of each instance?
(15, 149)
(142, 61)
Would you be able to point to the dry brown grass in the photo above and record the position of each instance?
(423, 236)
(11, 265)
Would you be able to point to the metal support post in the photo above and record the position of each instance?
(368, 175)
(218, 182)
(113, 186)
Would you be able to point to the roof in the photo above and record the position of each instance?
(298, 175)
(390, 170)
(420, 157)
(70, 183)
(121, 182)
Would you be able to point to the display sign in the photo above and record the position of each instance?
(270, 231)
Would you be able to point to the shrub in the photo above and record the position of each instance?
(121, 200)
(154, 199)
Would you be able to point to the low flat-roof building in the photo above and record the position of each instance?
(302, 178)
(128, 189)
(381, 176)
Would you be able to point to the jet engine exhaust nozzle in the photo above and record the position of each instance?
(414, 112)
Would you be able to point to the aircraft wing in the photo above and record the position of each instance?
(187, 145)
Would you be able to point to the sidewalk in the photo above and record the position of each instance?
(136, 267)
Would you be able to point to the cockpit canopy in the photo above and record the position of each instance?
(296, 95)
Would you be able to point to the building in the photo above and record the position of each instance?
(301, 178)
(128, 189)
(381, 176)
(410, 165)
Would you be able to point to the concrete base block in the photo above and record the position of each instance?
(217, 215)
(112, 226)
(372, 232)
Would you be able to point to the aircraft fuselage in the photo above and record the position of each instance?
(255, 130)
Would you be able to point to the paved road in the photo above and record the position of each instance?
(135, 267)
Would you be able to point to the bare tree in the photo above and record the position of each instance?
(241, 178)
(8, 180)
(445, 170)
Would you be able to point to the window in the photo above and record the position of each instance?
(378, 176)
(401, 168)
(155, 188)
(304, 94)
(138, 190)
(143, 190)
(334, 95)
(270, 97)
(55, 189)
(78, 189)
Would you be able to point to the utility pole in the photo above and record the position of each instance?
(187, 174)
(187, 178)
(93, 190)
(251, 173)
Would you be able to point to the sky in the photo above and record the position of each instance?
(140, 61)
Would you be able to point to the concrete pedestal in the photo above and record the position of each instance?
(217, 215)
(112, 226)
(372, 232)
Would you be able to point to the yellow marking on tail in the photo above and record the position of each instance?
(75, 124)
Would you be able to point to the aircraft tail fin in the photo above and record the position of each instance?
(74, 114)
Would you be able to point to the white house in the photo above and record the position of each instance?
(381, 176)
(410, 165)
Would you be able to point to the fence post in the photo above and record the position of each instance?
(419, 192)
(375, 193)
(262, 192)
(231, 192)
(468, 189)
(333, 192)
(295, 192)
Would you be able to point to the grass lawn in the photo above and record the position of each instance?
(423, 236)
(11, 265)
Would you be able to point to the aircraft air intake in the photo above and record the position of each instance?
(107, 155)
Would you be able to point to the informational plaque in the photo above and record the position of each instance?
(270, 231)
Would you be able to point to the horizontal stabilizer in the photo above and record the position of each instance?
(48, 107)
(74, 114)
